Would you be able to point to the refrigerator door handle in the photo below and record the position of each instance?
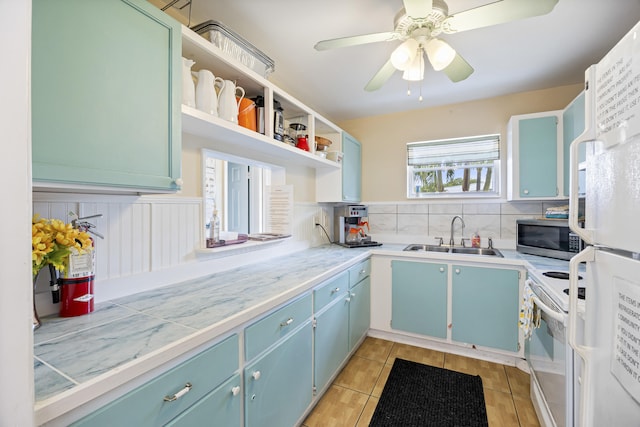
(589, 134)
(587, 255)
(585, 410)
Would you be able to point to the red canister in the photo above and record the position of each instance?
(76, 296)
(303, 143)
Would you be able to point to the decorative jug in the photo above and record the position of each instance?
(228, 103)
(206, 97)
(188, 88)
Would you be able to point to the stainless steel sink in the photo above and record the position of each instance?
(477, 251)
(416, 247)
(430, 248)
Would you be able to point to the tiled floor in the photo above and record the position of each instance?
(353, 396)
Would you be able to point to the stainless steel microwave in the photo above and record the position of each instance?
(547, 237)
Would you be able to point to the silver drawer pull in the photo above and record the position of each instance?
(334, 291)
(363, 271)
(287, 322)
(178, 395)
(235, 390)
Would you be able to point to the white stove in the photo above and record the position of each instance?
(556, 284)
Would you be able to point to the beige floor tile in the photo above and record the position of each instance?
(493, 375)
(359, 374)
(526, 412)
(339, 407)
(382, 380)
(367, 414)
(500, 409)
(352, 398)
(416, 354)
(375, 349)
(519, 381)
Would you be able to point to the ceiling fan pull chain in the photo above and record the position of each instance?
(408, 88)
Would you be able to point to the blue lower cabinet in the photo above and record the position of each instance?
(169, 395)
(331, 340)
(220, 408)
(278, 385)
(359, 311)
(419, 298)
(485, 307)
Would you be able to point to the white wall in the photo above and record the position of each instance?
(16, 339)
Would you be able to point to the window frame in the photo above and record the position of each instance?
(496, 193)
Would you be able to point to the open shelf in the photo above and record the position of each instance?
(230, 138)
(227, 137)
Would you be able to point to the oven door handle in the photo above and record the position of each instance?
(555, 315)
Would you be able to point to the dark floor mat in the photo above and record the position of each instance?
(422, 395)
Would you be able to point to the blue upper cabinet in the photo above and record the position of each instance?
(534, 167)
(572, 127)
(345, 184)
(106, 89)
(351, 169)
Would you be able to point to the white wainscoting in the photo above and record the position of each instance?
(151, 241)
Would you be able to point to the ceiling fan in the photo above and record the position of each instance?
(419, 23)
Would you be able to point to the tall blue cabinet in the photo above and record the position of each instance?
(106, 85)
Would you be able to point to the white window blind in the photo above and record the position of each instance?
(454, 151)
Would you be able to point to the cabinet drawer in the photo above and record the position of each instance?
(330, 290)
(271, 328)
(146, 406)
(221, 408)
(359, 272)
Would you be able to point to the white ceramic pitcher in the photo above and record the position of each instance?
(188, 88)
(228, 103)
(206, 96)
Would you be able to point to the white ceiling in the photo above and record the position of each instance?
(530, 54)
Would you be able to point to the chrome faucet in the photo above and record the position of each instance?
(451, 242)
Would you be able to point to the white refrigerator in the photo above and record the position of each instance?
(608, 348)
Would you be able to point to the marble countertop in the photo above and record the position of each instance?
(75, 357)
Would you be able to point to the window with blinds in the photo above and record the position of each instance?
(459, 166)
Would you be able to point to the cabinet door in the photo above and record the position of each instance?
(538, 157)
(146, 406)
(331, 344)
(105, 94)
(359, 311)
(572, 127)
(419, 298)
(485, 307)
(278, 386)
(220, 408)
(351, 168)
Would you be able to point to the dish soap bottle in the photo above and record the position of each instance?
(215, 227)
(475, 240)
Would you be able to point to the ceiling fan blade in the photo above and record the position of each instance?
(458, 70)
(497, 13)
(381, 77)
(418, 8)
(356, 40)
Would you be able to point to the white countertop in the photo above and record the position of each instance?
(80, 358)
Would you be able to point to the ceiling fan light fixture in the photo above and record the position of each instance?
(415, 72)
(440, 54)
(403, 56)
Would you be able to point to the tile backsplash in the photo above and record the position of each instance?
(490, 219)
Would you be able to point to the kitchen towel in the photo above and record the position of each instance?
(529, 313)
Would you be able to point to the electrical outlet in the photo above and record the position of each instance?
(316, 220)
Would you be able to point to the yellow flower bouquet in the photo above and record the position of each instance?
(52, 241)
